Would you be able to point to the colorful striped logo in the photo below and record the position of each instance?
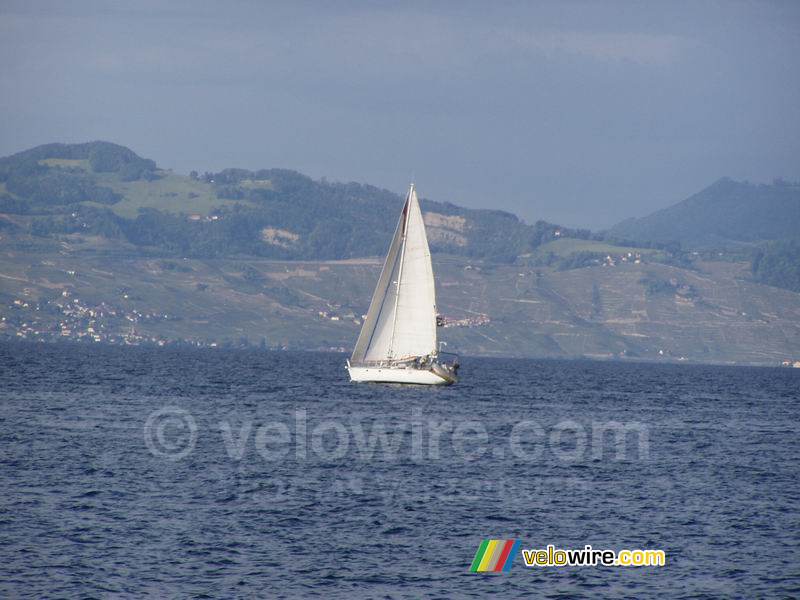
(495, 555)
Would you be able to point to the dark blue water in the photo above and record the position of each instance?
(88, 510)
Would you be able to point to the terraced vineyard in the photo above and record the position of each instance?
(637, 311)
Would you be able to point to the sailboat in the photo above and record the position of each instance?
(398, 342)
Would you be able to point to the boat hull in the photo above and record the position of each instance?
(400, 375)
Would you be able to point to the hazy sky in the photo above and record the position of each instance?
(582, 113)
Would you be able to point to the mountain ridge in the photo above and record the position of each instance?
(106, 189)
(726, 213)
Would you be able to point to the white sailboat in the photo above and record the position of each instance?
(397, 343)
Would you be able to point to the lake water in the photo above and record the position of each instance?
(95, 501)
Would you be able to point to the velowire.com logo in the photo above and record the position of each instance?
(497, 555)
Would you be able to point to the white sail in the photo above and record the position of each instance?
(376, 330)
(401, 321)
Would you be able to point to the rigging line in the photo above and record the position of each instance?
(380, 308)
(400, 271)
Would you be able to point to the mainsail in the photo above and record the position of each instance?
(401, 321)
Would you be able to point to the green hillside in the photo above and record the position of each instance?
(103, 189)
(170, 193)
(107, 192)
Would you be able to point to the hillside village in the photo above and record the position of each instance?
(70, 318)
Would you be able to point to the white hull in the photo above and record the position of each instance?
(398, 375)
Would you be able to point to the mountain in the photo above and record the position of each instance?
(98, 244)
(99, 188)
(725, 214)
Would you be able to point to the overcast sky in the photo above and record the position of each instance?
(577, 113)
